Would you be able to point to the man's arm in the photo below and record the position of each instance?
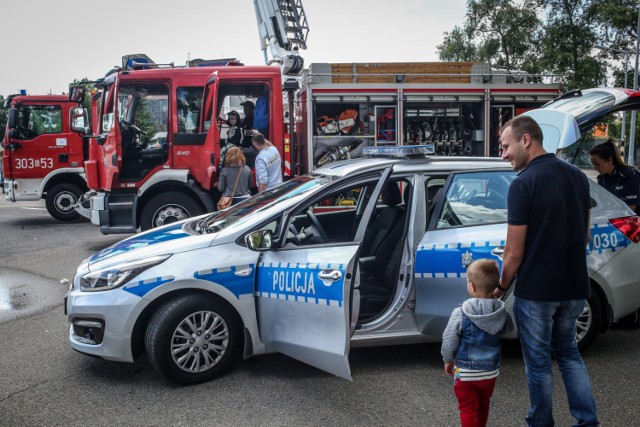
(512, 256)
(262, 177)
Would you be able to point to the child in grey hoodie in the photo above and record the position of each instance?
(471, 343)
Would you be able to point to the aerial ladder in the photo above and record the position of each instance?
(283, 30)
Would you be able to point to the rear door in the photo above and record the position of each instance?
(468, 223)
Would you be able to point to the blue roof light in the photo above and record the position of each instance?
(399, 151)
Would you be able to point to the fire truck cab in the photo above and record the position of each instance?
(43, 157)
(156, 150)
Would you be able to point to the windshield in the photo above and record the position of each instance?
(236, 214)
(584, 107)
(36, 120)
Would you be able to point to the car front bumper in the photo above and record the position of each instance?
(102, 323)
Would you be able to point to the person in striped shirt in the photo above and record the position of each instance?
(471, 343)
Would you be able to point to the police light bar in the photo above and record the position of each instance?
(399, 151)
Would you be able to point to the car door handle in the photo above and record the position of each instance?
(497, 251)
(330, 275)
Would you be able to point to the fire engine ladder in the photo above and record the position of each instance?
(283, 29)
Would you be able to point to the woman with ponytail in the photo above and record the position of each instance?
(615, 175)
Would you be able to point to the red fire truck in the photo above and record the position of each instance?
(154, 157)
(43, 157)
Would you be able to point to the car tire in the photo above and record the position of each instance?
(589, 321)
(166, 208)
(60, 200)
(190, 355)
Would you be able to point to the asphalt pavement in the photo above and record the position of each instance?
(44, 382)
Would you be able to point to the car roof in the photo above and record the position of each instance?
(422, 164)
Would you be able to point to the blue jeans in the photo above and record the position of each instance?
(546, 330)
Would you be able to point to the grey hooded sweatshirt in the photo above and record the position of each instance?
(487, 314)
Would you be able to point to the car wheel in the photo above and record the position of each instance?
(589, 321)
(167, 208)
(60, 201)
(192, 339)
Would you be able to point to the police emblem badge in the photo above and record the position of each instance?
(466, 259)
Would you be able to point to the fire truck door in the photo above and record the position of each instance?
(40, 142)
(110, 137)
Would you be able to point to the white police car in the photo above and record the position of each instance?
(364, 252)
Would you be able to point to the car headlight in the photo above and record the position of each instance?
(116, 276)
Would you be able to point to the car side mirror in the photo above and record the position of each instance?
(78, 119)
(12, 119)
(260, 240)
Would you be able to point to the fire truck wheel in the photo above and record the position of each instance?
(167, 208)
(60, 200)
(192, 339)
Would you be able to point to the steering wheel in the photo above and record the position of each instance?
(316, 225)
(130, 126)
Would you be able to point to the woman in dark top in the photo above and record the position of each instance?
(615, 175)
(234, 164)
(623, 181)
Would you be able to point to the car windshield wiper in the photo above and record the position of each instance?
(202, 226)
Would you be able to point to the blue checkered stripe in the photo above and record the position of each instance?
(606, 238)
(143, 287)
(300, 282)
(228, 277)
(444, 260)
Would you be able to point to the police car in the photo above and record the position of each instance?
(363, 252)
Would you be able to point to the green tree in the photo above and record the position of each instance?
(567, 42)
(616, 22)
(499, 32)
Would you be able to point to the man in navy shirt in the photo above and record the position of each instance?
(548, 228)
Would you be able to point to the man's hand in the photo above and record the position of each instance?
(448, 368)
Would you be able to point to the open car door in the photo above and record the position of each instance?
(110, 137)
(307, 294)
(303, 303)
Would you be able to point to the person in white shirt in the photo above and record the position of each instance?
(268, 163)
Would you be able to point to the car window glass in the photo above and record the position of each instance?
(237, 214)
(189, 100)
(476, 198)
(333, 219)
(35, 120)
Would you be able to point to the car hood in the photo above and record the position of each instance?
(161, 241)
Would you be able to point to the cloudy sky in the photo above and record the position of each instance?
(46, 44)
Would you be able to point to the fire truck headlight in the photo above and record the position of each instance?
(116, 276)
